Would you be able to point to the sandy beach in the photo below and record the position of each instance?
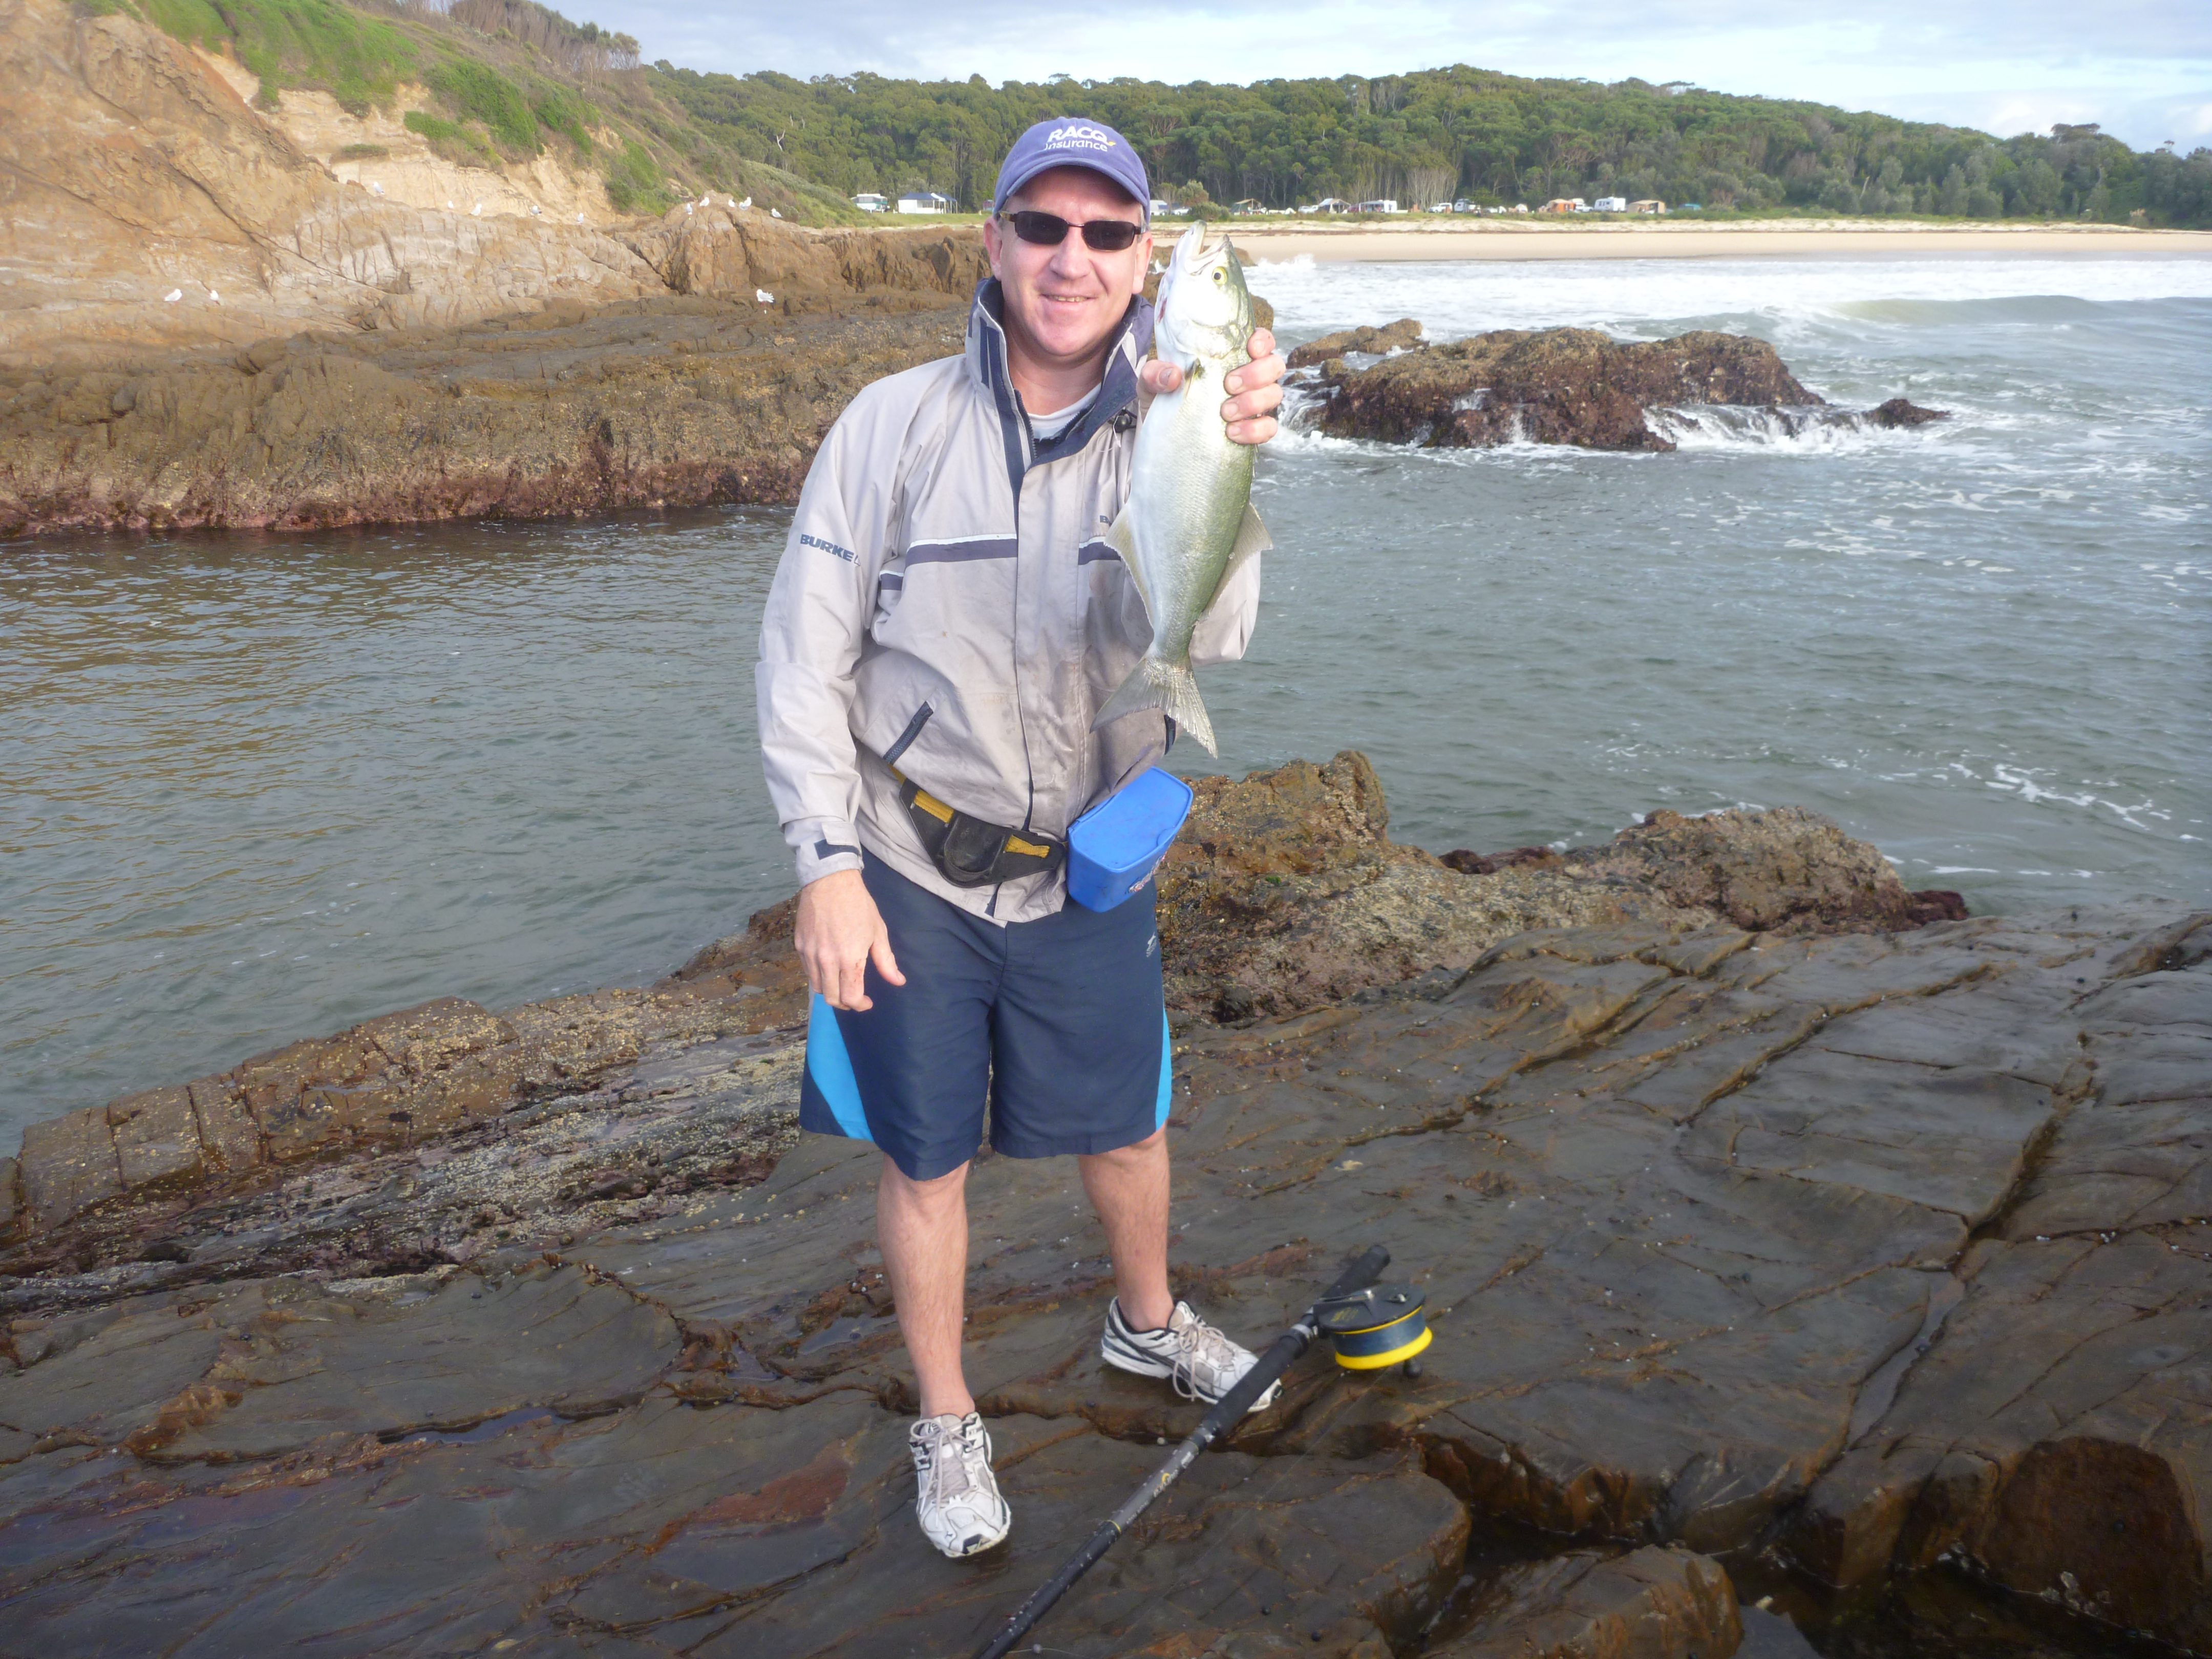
(1418, 237)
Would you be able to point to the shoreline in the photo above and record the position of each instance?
(1517, 239)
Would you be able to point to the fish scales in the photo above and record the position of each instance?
(1189, 520)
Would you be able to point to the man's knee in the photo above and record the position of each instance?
(937, 1192)
(1136, 1152)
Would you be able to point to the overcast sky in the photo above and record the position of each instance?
(2143, 68)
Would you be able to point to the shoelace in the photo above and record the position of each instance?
(949, 1477)
(1194, 1341)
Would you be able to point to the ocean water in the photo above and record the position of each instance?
(254, 787)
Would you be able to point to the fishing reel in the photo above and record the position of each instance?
(1373, 1329)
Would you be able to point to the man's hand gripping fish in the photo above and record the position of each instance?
(1189, 520)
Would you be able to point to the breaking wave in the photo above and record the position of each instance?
(1802, 431)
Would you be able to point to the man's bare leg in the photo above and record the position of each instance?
(922, 1229)
(1128, 1188)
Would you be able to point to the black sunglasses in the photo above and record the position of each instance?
(1050, 230)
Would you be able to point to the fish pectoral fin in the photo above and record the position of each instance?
(1121, 537)
(1252, 540)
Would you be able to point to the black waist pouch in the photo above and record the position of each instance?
(969, 853)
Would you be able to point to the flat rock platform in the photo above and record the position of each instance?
(1866, 1274)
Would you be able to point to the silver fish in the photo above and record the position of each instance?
(1189, 520)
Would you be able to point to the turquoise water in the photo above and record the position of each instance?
(255, 787)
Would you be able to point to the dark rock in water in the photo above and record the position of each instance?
(1562, 386)
(1898, 412)
(1489, 864)
(1931, 904)
(1400, 336)
(1783, 871)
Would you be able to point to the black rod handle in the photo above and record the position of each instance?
(1359, 1274)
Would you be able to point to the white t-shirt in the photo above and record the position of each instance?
(1045, 427)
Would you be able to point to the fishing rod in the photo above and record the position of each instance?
(1226, 1414)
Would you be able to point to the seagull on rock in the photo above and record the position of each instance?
(748, 202)
(764, 296)
(772, 214)
(375, 189)
(172, 296)
(477, 212)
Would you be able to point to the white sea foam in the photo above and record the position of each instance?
(1641, 296)
(1810, 432)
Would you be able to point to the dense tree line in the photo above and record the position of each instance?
(1442, 134)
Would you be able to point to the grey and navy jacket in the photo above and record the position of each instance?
(947, 604)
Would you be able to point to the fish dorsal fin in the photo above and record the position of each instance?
(1121, 537)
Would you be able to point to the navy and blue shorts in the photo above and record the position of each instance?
(1059, 1025)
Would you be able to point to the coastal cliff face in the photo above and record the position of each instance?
(138, 170)
(202, 326)
(1859, 1269)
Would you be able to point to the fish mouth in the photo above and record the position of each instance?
(1193, 254)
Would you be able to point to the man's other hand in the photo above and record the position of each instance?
(1255, 390)
(839, 933)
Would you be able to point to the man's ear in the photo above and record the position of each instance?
(993, 246)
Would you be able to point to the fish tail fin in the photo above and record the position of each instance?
(1155, 683)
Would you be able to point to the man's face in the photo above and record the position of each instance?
(1067, 299)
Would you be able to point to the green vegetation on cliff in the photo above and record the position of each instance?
(510, 79)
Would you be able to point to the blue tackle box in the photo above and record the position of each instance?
(1113, 850)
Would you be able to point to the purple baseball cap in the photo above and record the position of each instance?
(1071, 142)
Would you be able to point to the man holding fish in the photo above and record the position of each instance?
(979, 641)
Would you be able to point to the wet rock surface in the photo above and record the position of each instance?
(1557, 386)
(1863, 1271)
(1663, 1603)
(1284, 890)
(654, 402)
(1400, 336)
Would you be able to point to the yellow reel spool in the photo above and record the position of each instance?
(1381, 1326)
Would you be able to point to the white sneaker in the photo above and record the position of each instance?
(1203, 1364)
(958, 1501)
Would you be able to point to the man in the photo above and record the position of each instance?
(945, 626)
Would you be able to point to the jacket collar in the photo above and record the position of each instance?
(988, 371)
